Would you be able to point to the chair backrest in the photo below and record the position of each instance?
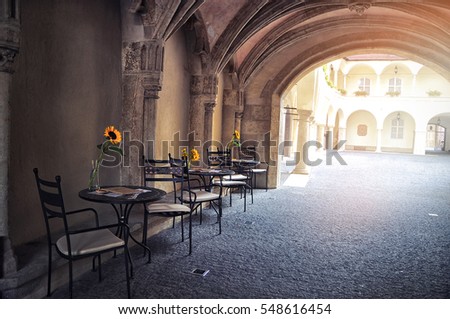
(181, 162)
(248, 152)
(219, 158)
(52, 203)
(163, 171)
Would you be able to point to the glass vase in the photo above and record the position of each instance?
(94, 178)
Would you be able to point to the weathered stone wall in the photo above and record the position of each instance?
(64, 92)
(173, 104)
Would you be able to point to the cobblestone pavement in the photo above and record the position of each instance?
(378, 227)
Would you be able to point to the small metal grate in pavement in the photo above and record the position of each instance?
(200, 272)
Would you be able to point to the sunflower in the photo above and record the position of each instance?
(113, 135)
(183, 153)
(195, 156)
(237, 135)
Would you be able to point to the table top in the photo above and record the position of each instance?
(211, 172)
(248, 162)
(123, 194)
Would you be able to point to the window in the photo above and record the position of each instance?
(364, 85)
(395, 85)
(397, 129)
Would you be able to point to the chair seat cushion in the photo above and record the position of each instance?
(236, 177)
(167, 208)
(259, 170)
(89, 242)
(230, 183)
(202, 196)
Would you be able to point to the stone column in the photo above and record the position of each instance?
(303, 136)
(238, 120)
(208, 128)
(329, 138)
(196, 111)
(321, 134)
(420, 138)
(142, 63)
(342, 136)
(291, 113)
(379, 131)
(230, 108)
(9, 48)
(203, 101)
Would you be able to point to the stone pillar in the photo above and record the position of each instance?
(238, 120)
(379, 131)
(196, 111)
(420, 138)
(9, 48)
(142, 63)
(208, 128)
(329, 138)
(291, 113)
(230, 108)
(342, 137)
(303, 136)
(321, 134)
(203, 101)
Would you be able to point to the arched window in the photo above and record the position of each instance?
(364, 85)
(397, 128)
(395, 85)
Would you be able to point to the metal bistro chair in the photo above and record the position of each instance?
(173, 175)
(242, 180)
(200, 194)
(262, 168)
(79, 243)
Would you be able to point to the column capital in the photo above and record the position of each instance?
(145, 58)
(7, 56)
(9, 35)
(209, 107)
(304, 115)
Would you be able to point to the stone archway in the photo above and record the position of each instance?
(361, 131)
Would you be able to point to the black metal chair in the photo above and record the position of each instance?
(199, 194)
(164, 172)
(77, 243)
(249, 152)
(242, 180)
(219, 158)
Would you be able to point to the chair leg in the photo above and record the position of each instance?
(220, 216)
(190, 233)
(125, 254)
(49, 274)
(144, 231)
(182, 228)
(70, 279)
(267, 178)
(99, 268)
(245, 199)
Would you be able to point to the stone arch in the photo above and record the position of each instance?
(438, 131)
(361, 131)
(398, 132)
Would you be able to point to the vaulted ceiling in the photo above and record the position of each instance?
(270, 43)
